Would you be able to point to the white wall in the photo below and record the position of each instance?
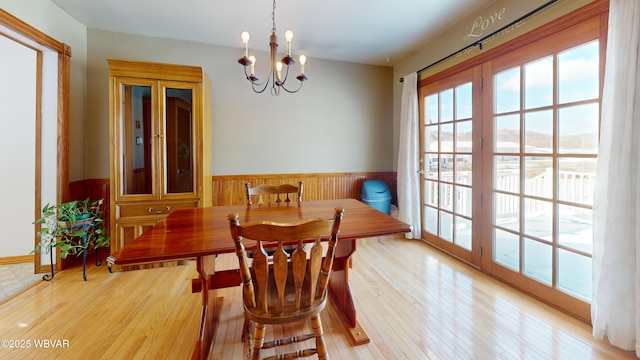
(341, 121)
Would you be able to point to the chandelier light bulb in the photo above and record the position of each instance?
(288, 35)
(245, 40)
(253, 63)
(245, 37)
(279, 69)
(303, 60)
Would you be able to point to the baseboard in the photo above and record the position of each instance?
(16, 259)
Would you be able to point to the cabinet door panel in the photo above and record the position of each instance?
(129, 230)
(135, 134)
(178, 145)
(179, 142)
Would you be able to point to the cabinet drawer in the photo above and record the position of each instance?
(155, 208)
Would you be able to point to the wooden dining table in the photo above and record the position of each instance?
(203, 233)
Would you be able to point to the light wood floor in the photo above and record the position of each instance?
(413, 301)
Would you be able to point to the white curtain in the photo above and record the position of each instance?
(615, 307)
(409, 158)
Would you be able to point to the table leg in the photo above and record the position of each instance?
(210, 308)
(340, 292)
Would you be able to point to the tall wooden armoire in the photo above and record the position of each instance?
(160, 132)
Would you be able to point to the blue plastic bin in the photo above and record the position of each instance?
(376, 194)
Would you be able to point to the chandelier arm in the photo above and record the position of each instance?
(256, 85)
(286, 75)
(260, 91)
(292, 91)
(247, 75)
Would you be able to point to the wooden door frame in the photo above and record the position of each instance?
(62, 148)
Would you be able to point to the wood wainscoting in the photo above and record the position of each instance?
(229, 189)
(93, 189)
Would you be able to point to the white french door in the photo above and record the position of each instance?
(543, 129)
(509, 148)
(449, 175)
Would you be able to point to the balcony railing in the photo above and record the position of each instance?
(573, 187)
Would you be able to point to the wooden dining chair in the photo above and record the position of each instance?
(273, 193)
(288, 290)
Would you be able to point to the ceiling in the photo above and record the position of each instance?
(377, 32)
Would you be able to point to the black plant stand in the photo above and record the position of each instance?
(84, 252)
(98, 262)
(48, 277)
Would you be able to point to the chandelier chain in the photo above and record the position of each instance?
(273, 17)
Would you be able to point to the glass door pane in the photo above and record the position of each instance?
(545, 143)
(447, 137)
(179, 127)
(136, 127)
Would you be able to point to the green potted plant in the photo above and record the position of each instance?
(75, 227)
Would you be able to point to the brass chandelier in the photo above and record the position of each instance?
(275, 80)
